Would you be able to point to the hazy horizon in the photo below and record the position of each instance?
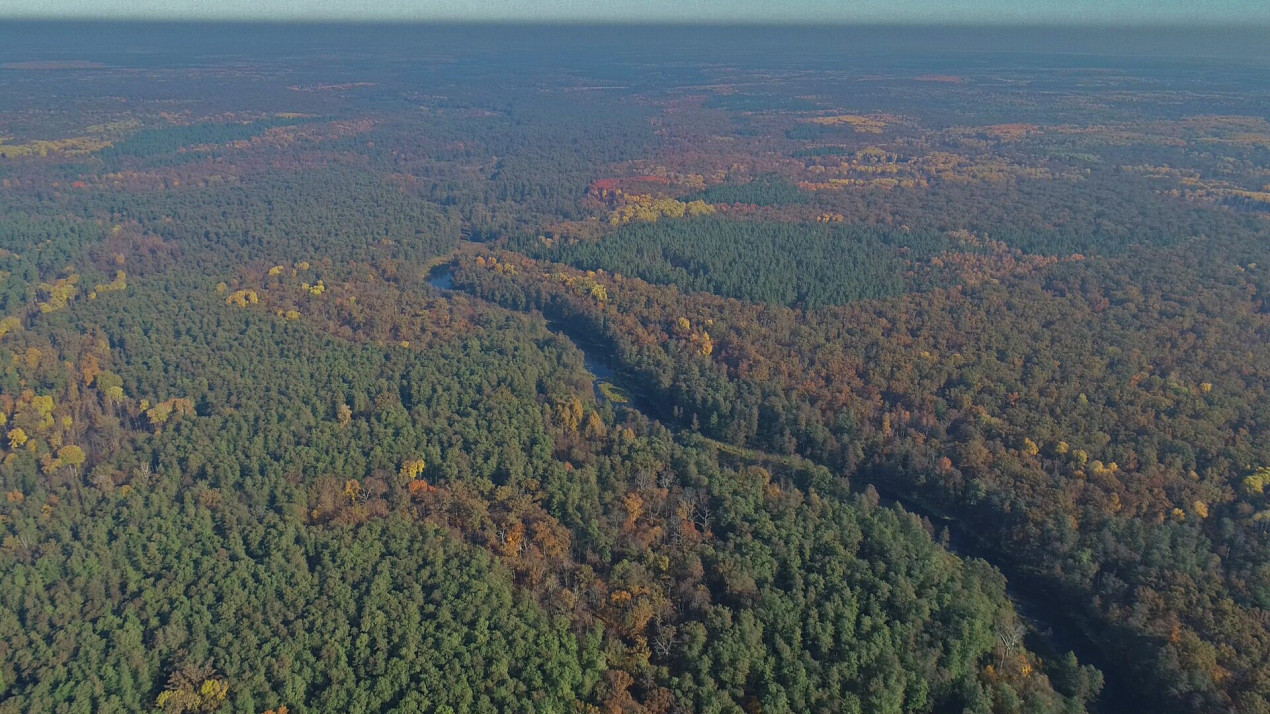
(99, 39)
(1084, 13)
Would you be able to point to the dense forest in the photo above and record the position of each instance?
(452, 372)
(780, 263)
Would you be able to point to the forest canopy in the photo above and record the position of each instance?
(603, 371)
(782, 263)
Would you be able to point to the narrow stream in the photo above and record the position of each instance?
(1033, 604)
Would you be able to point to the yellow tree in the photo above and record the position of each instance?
(71, 455)
(412, 469)
(17, 437)
(193, 690)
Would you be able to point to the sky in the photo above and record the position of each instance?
(1080, 12)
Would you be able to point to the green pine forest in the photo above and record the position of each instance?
(445, 371)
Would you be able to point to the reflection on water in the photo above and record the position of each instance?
(442, 278)
(597, 369)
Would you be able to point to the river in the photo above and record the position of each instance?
(1048, 619)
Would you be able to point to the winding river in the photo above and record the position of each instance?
(1037, 606)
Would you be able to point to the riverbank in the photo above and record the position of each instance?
(1053, 629)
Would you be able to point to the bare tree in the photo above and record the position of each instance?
(663, 640)
(702, 514)
(1010, 637)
